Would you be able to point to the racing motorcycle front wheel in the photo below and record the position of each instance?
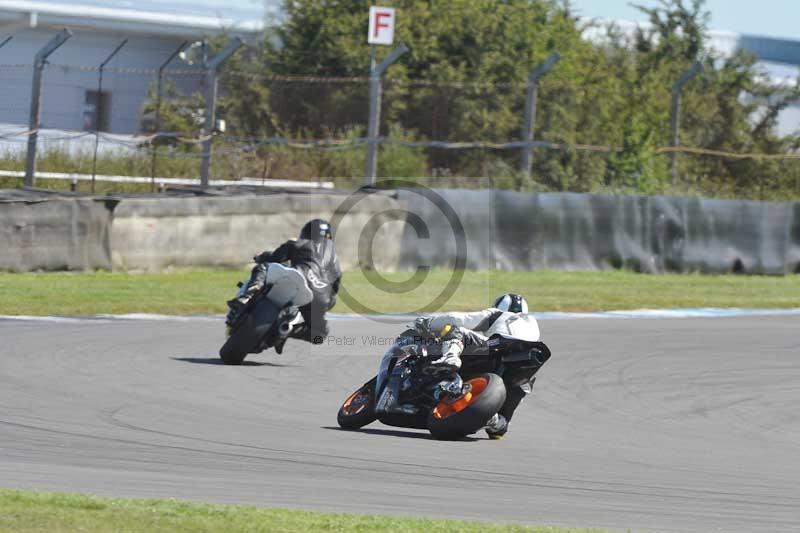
(358, 409)
(480, 399)
(238, 343)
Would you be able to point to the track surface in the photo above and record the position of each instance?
(665, 425)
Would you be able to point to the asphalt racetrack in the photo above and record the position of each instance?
(642, 425)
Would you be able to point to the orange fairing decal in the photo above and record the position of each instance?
(349, 409)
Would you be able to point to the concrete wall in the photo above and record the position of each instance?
(405, 230)
(62, 234)
(152, 234)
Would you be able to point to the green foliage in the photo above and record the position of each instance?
(465, 78)
(27, 511)
(397, 161)
(108, 163)
(637, 167)
(175, 113)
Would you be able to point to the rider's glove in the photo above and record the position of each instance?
(452, 345)
(263, 257)
(422, 325)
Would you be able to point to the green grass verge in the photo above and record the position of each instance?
(205, 291)
(22, 511)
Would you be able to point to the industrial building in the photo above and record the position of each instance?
(154, 30)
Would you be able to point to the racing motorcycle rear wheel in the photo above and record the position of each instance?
(358, 409)
(481, 397)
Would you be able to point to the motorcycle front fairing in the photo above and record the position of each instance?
(383, 370)
(390, 374)
(389, 388)
(390, 356)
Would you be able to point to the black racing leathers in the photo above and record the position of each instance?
(319, 264)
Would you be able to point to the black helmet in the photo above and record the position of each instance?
(513, 303)
(316, 230)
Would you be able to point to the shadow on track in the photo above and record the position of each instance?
(397, 433)
(218, 361)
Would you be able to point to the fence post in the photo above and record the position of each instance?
(211, 105)
(373, 126)
(98, 117)
(530, 110)
(36, 95)
(675, 115)
(159, 89)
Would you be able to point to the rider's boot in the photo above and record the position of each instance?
(254, 285)
(304, 332)
(279, 345)
(496, 427)
(450, 387)
(282, 340)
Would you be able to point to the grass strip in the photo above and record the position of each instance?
(27, 511)
(204, 291)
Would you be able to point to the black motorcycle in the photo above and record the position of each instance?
(411, 391)
(257, 326)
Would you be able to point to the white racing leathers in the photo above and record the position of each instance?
(474, 330)
(477, 327)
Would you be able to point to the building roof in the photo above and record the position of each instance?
(778, 58)
(179, 19)
(726, 43)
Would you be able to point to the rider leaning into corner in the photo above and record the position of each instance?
(469, 333)
(313, 278)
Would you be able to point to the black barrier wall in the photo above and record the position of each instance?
(568, 231)
(55, 234)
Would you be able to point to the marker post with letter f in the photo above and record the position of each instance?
(381, 31)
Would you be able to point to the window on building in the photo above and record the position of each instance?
(97, 111)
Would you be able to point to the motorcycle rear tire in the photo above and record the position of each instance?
(462, 416)
(348, 419)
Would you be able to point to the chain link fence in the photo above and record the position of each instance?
(312, 130)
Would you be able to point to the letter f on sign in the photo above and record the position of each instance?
(379, 22)
(381, 25)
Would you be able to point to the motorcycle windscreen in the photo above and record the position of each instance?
(383, 370)
(403, 348)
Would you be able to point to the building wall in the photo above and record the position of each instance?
(66, 83)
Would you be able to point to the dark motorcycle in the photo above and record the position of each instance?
(412, 392)
(259, 325)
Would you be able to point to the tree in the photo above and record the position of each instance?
(464, 80)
